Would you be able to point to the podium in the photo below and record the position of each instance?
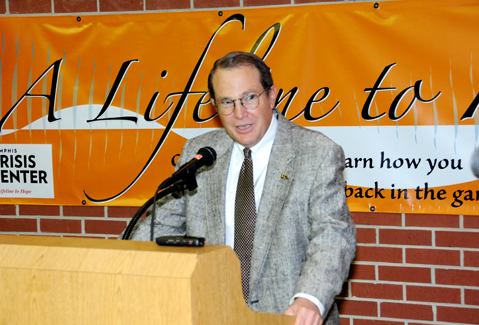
(54, 280)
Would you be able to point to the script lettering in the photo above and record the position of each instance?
(51, 97)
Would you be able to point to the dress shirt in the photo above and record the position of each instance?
(260, 154)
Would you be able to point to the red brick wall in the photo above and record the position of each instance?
(88, 221)
(410, 269)
(413, 269)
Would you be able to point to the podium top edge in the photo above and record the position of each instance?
(99, 243)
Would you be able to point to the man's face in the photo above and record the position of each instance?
(245, 126)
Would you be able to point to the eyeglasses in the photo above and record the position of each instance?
(249, 102)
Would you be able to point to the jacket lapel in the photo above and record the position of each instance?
(215, 191)
(279, 176)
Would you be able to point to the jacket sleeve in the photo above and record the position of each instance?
(332, 244)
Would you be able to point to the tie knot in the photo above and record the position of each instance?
(247, 153)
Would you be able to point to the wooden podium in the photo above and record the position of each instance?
(53, 280)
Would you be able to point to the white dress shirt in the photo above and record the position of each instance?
(260, 154)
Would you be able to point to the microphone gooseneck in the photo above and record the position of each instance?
(206, 156)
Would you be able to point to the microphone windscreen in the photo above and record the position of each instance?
(208, 154)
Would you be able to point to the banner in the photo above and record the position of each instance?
(103, 104)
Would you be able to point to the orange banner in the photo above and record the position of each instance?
(95, 109)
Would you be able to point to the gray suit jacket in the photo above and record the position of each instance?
(305, 238)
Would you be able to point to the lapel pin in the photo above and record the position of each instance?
(283, 176)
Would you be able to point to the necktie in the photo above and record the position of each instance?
(245, 219)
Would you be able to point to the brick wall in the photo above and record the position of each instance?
(410, 269)
(413, 269)
(79, 221)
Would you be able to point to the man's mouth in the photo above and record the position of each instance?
(242, 127)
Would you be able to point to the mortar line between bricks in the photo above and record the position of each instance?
(447, 248)
(87, 235)
(383, 227)
(406, 321)
(66, 218)
(17, 233)
(58, 234)
(412, 284)
(431, 266)
(28, 217)
(99, 236)
(409, 302)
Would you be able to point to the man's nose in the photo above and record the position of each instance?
(239, 111)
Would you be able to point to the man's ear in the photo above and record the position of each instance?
(213, 102)
(273, 92)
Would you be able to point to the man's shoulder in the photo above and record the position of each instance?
(208, 136)
(216, 139)
(305, 137)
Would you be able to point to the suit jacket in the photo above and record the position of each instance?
(304, 239)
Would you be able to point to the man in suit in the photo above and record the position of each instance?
(303, 238)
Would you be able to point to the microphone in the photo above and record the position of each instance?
(206, 156)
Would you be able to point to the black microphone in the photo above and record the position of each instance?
(206, 156)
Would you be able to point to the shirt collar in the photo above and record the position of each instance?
(263, 148)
